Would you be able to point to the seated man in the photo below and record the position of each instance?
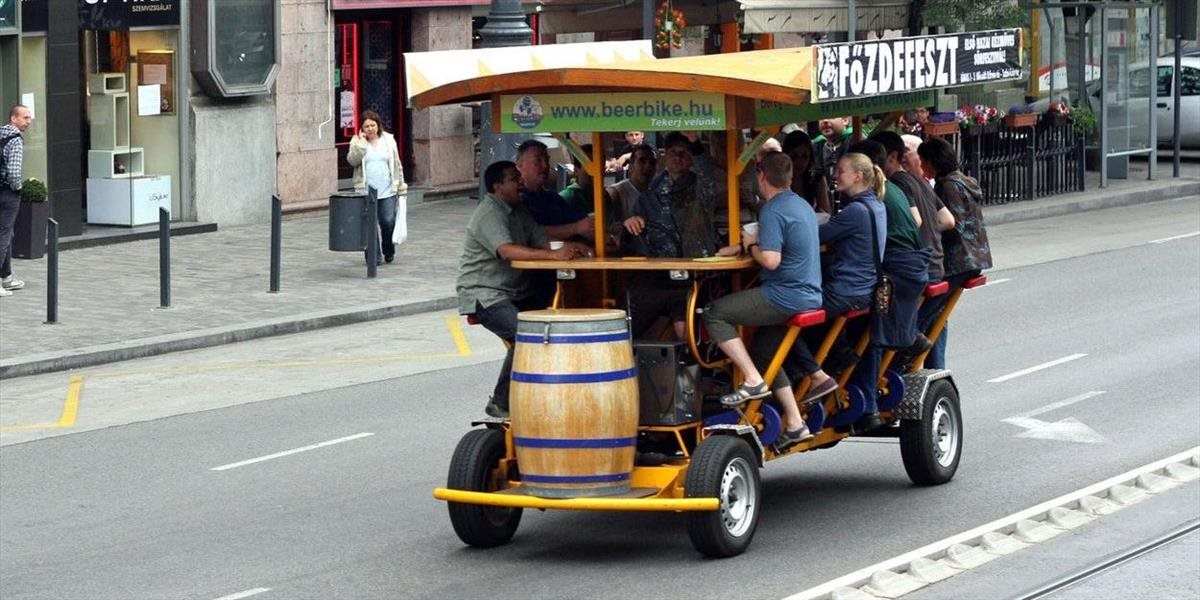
(633, 139)
(787, 248)
(500, 230)
(559, 219)
(578, 195)
(625, 193)
(674, 218)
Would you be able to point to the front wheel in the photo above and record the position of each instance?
(476, 468)
(932, 446)
(724, 467)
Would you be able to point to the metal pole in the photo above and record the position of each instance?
(851, 21)
(1103, 96)
(276, 240)
(1152, 167)
(1175, 97)
(373, 234)
(164, 258)
(51, 272)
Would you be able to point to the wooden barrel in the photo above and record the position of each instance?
(574, 402)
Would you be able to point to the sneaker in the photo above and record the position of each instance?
(820, 390)
(495, 410)
(11, 283)
(4, 292)
(389, 258)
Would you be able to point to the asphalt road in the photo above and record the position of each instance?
(138, 511)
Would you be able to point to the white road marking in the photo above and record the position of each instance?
(1036, 368)
(1174, 237)
(992, 282)
(935, 549)
(1057, 405)
(290, 452)
(244, 594)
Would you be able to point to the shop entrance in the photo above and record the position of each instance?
(368, 49)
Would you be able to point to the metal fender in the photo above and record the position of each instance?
(916, 385)
(745, 432)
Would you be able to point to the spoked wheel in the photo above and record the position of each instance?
(724, 466)
(932, 446)
(476, 468)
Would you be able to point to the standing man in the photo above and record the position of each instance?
(12, 151)
(501, 230)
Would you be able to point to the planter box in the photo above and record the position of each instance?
(29, 231)
(942, 128)
(981, 129)
(1021, 120)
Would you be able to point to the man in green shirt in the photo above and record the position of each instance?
(501, 230)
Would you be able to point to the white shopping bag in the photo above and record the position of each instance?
(400, 233)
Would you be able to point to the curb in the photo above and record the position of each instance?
(91, 356)
(1011, 213)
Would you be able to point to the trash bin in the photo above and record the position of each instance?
(347, 211)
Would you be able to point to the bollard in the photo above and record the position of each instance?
(51, 272)
(164, 258)
(276, 241)
(372, 222)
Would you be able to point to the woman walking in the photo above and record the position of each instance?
(376, 160)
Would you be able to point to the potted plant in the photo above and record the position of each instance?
(940, 124)
(29, 231)
(1082, 119)
(978, 119)
(1020, 115)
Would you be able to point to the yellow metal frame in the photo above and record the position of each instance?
(614, 504)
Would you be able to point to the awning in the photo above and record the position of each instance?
(800, 16)
(783, 75)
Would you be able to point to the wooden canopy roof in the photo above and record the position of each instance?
(782, 75)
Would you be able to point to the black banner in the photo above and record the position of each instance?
(34, 15)
(123, 14)
(856, 69)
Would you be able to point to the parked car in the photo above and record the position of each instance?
(1139, 93)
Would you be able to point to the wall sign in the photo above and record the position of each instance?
(123, 14)
(235, 46)
(638, 111)
(857, 69)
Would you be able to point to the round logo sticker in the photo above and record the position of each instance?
(527, 113)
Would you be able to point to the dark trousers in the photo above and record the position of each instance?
(10, 202)
(501, 319)
(385, 209)
(929, 312)
(801, 360)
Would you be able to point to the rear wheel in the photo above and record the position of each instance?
(476, 468)
(932, 446)
(724, 467)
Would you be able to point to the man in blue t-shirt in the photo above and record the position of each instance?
(787, 247)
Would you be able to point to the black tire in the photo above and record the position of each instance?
(932, 446)
(724, 466)
(475, 459)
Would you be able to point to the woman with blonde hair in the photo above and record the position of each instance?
(848, 280)
(376, 160)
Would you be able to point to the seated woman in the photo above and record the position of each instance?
(787, 249)
(849, 280)
(807, 180)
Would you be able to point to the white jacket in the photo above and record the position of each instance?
(358, 149)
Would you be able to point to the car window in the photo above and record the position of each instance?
(1164, 81)
(1190, 84)
(1139, 83)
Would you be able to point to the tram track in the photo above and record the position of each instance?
(1109, 562)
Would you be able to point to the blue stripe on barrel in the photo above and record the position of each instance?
(600, 377)
(528, 442)
(534, 338)
(606, 478)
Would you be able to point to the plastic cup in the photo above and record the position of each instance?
(556, 245)
(750, 229)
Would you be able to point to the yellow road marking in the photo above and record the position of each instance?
(460, 339)
(69, 411)
(75, 386)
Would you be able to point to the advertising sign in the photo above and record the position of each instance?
(123, 14)
(773, 113)
(664, 111)
(869, 68)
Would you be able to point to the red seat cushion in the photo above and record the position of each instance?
(858, 312)
(976, 282)
(808, 318)
(937, 289)
(471, 320)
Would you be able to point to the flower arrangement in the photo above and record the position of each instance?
(980, 114)
(668, 24)
(1083, 120)
(1059, 108)
(33, 190)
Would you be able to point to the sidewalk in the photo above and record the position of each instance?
(108, 296)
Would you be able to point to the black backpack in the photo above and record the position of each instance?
(3, 162)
